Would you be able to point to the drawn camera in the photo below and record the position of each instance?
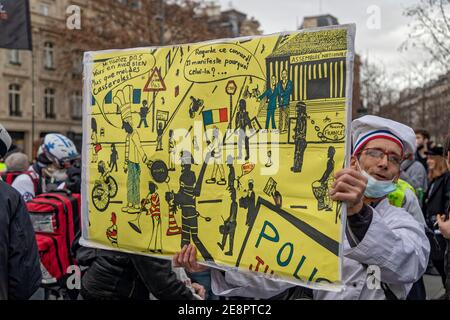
(243, 202)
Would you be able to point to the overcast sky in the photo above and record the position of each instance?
(380, 44)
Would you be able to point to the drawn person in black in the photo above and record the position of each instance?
(320, 187)
(229, 225)
(185, 198)
(248, 202)
(159, 132)
(114, 156)
(143, 113)
(299, 137)
(242, 121)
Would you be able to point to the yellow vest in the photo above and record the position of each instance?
(397, 196)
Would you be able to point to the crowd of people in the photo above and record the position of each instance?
(396, 187)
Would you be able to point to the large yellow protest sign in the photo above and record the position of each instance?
(230, 145)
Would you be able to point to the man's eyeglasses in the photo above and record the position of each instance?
(376, 153)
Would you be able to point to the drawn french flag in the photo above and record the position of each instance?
(215, 116)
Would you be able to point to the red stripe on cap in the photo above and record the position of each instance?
(379, 136)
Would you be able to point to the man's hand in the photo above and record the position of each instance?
(349, 186)
(199, 290)
(187, 259)
(444, 225)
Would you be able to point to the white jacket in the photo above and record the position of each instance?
(395, 242)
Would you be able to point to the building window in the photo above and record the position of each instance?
(18, 139)
(76, 105)
(49, 56)
(135, 4)
(14, 100)
(77, 65)
(44, 9)
(49, 103)
(14, 57)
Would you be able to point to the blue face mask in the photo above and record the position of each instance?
(377, 189)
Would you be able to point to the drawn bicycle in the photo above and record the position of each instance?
(104, 189)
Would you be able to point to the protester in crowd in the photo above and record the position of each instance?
(55, 156)
(444, 225)
(413, 172)
(422, 144)
(3, 167)
(20, 273)
(116, 275)
(17, 162)
(13, 149)
(377, 233)
(437, 201)
(404, 196)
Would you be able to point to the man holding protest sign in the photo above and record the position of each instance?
(379, 237)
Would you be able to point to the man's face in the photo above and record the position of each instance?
(284, 75)
(274, 80)
(380, 168)
(420, 140)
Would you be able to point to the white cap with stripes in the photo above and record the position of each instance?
(368, 128)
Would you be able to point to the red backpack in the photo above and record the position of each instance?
(9, 178)
(56, 219)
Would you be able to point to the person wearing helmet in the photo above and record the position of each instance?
(56, 154)
(20, 273)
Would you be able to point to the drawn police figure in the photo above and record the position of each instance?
(186, 200)
(229, 225)
(215, 148)
(114, 156)
(159, 132)
(172, 145)
(153, 208)
(321, 186)
(143, 112)
(242, 121)
(299, 137)
(248, 202)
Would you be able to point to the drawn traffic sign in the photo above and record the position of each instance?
(231, 87)
(155, 82)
